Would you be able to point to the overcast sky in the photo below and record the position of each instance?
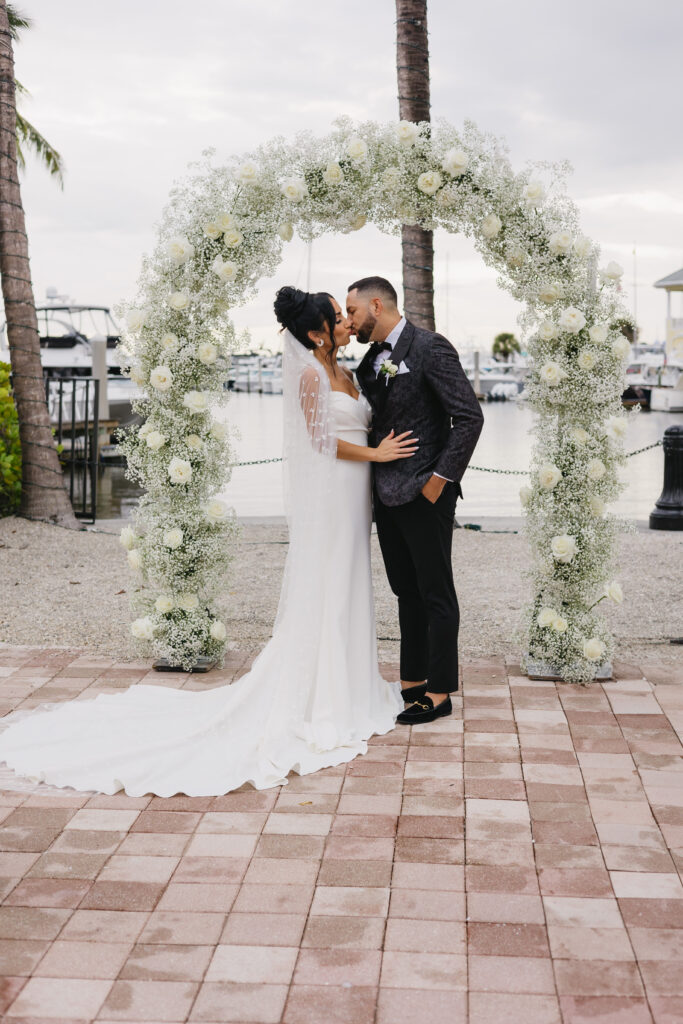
(131, 92)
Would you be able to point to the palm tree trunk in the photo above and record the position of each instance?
(412, 68)
(43, 494)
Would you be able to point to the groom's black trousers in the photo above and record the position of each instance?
(416, 541)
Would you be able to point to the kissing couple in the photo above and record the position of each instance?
(398, 438)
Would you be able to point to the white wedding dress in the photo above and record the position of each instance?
(314, 694)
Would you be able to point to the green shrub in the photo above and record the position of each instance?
(10, 448)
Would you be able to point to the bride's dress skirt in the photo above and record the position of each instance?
(305, 705)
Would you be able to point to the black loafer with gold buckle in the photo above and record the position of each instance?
(424, 710)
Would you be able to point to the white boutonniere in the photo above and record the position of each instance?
(388, 370)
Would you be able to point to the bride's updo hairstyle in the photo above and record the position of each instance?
(300, 312)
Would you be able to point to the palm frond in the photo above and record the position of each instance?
(17, 20)
(28, 137)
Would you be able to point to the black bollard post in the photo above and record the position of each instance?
(668, 511)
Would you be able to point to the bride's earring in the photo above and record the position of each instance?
(320, 343)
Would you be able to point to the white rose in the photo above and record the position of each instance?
(135, 319)
(137, 375)
(621, 347)
(548, 476)
(142, 629)
(207, 353)
(155, 440)
(612, 272)
(598, 333)
(391, 178)
(179, 471)
(583, 247)
(615, 428)
(559, 624)
(218, 630)
(550, 292)
(193, 442)
(596, 505)
(579, 435)
(593, 649)
(546, 617)
(216, 511)
(247, 173)
(572, 320)
(127, 537)
(534, 193)
(226, 221)
(455, 162)
(333, 174)
(560, 242)
(211, 229)
(134, 558)
(429, 182)
(614, 592)
(170, 342)
(515, 256)
(548, 330)
(161, 378)
(188, 602)
(196, 401)
(179, 300)
(551, 373)
(595, 470)
(407, 133)
(164, 604)
(232, 238)
(226, 270)
(388, 368)
(219, 430)
(294, 189)
(286, 231)
(357, 149)
(180, 249)
(586, 359)
(491, 225)
(358, 222)
(145, 429)
(173, 538)
(563, 547)
(525, 493)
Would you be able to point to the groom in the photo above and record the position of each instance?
(414, 381)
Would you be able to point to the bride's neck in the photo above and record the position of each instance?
(328, 363)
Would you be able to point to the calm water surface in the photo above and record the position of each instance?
(505, 443)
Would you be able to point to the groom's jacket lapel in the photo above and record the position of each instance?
(401, 349)
(365, 375)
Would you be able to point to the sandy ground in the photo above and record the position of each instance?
(69, 588)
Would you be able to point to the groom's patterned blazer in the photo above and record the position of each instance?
(430, 396)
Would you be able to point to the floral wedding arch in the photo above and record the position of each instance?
(224, 230)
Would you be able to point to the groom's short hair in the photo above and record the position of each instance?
(379, 286)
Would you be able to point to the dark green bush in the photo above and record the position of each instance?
(10, 449)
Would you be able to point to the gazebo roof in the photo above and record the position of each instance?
(673, 282)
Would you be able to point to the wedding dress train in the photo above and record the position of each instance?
(311, 700)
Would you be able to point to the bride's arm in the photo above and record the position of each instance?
(388, 450)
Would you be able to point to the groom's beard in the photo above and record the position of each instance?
(364, 332)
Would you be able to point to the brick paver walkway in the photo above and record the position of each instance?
(518, 862)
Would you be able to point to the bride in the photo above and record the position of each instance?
(314, 695)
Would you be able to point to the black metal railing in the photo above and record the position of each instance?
(73, 404)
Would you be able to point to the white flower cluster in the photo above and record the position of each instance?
(224, 230)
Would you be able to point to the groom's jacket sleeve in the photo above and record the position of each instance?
(448, 381)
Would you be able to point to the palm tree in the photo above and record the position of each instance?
(43, 495)
(504, 345)
(28, 136)
(412, 68)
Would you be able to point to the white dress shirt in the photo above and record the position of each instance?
(391, 338)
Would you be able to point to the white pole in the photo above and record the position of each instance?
(99, 371)
(635, 296)
(308, 267)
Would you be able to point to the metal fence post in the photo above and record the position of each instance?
(668, 510)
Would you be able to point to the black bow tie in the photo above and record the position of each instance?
(381, 346)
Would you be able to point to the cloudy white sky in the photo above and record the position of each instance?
(131, 92)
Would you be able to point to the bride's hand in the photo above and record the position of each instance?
(391, 448)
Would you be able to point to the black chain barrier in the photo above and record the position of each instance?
(479, 469)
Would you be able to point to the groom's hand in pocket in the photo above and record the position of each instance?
(433, 488)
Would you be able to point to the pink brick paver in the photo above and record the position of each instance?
(519, 861)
